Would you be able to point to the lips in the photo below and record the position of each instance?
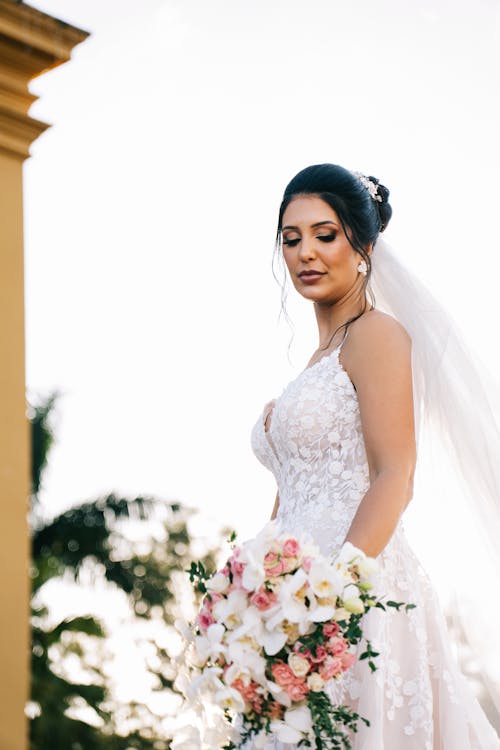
(310, 274)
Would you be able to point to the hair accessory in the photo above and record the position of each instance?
(370, 185)
(363, 268)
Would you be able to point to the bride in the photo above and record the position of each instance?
(341, 441)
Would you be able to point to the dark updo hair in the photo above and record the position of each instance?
(361, 216)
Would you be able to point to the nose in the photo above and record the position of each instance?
(307, 248)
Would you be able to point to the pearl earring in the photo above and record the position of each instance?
(363, 268)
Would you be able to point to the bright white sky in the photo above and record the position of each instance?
(151, 209)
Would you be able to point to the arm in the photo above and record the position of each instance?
(378, 361)
(275, 509)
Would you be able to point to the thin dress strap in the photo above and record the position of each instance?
(339, 347)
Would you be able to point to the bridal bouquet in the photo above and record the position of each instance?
(277, 622)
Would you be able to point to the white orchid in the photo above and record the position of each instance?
(321, 613)
(295, 726)
(299, 718)
(230, 609)
(349, 553)
(248, 658)
(204, 684)
(186, 738)
(237, 672)
(324, 579)
(278, 693)
(229, 698)
(210, 645)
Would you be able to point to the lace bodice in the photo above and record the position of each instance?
(314, 446)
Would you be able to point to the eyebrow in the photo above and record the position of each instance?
(313, 226)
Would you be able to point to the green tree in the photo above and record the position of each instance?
(91, 541)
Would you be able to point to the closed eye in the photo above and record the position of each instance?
(322, 237)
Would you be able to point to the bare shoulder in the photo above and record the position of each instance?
(377, 326)
(375, 337)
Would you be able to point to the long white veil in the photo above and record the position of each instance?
(457, 496)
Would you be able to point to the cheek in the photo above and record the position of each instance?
(339, 256)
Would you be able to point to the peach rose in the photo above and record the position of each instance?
(330, 629)
(282, 674)
(331, 667)
(297, 690)
(336, 645)
(347, 660)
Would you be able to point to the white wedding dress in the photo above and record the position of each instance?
(417, 699)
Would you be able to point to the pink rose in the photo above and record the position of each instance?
(205, 619)
(209, 603)
(236, 584)
(347, 660)
(282, 674)
(330, 629)
(306, 652)
(289, 563)
(336, 645)
(306, 564)
(331, 667)
(291, 548)
(320, 655)
(273, 564)
(263, 599)
(236, 566)
(297, 690)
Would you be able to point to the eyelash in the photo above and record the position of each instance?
(322, 237)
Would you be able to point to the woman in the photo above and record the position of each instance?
(341, 442)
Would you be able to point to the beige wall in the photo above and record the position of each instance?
(14, 464)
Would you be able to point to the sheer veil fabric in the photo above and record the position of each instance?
(457, 485)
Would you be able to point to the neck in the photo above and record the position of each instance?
(329, 316)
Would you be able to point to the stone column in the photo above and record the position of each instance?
(31, 42)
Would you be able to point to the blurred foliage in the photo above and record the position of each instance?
(89, 542)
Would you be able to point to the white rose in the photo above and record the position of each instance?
(354, 605)
(367, 567)
(342, 614)
(218, 583)
(315, 682)
(298, 664)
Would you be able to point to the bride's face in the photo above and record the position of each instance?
(320, 260)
